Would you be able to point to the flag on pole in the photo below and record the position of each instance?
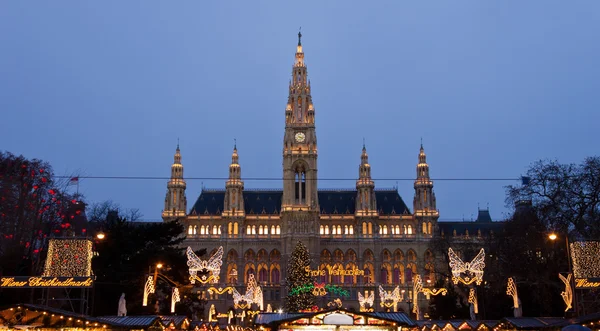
(74, 180)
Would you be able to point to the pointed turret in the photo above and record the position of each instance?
(424, 202)
(175, 200)
(300, 141)
(366, 204)
(234, 188)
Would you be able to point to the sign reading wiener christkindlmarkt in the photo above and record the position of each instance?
(45, 282)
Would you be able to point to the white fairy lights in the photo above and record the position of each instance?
(69, 258)
(586, 259)
(213, 266)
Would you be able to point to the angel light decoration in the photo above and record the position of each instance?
(253, 295)
(366, 301)
(467, 272)
(212, 266)
(394, 296)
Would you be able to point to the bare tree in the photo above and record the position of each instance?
(566, 197)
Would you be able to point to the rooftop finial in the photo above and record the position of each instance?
(364, 146)
(177, 143)
(234, 143)
(421, 142)
(299, 37)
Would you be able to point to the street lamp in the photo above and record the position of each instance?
(100, 235)
(158, 266)
(553, 236)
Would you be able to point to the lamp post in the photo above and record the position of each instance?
(553, 236)
(158, 266)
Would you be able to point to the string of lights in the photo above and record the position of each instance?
(279, 178)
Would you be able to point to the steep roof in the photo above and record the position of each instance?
(211, 202)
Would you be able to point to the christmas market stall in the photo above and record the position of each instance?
(334, 320)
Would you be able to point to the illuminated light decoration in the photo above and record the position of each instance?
(473, 300)
(390, 299)
(148, 288)
(366, 301)
(69, 258)
(473, 270)
(269, 308)
(252, 313)
(253, 294)
(511, 289)
(418, 287)
(337, 303)
(320, 289)
(220, 290)
(586, 264)
(45, 282)
(212, 314)
(213, 266)
(174, 298)
(567, 294)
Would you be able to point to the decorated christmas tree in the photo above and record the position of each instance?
(297, 277)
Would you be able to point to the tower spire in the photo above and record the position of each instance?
(366, 204)
(300, 141)
(300, 36)
(424, 203)
(234, 202)
(175, 199)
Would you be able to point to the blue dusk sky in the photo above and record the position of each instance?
(105, 88)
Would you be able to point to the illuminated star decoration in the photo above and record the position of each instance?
(511, 289)
(253, 295)
(394, 296)
(148, 288)
(473, 300)
(473, 271)
(363, 301)
(567, 294)
(174, 298)
(213, 266)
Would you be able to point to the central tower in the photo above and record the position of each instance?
(300, 142)
(300, 204)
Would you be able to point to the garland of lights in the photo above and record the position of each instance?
(174, 298)
(69, 258)
(511, 289)
(220, 290)
(586, 259)
(148, 288)
(319, 289)
(337, 303)
(567, 294)
(473, 269)
(213, 266)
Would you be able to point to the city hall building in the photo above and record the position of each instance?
(362, 237)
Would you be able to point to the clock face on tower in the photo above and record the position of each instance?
(300, 137)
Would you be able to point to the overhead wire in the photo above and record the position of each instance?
(279, 178)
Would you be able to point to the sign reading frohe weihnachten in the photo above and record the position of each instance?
(45, 282)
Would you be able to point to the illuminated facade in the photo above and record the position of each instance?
(361, 238)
